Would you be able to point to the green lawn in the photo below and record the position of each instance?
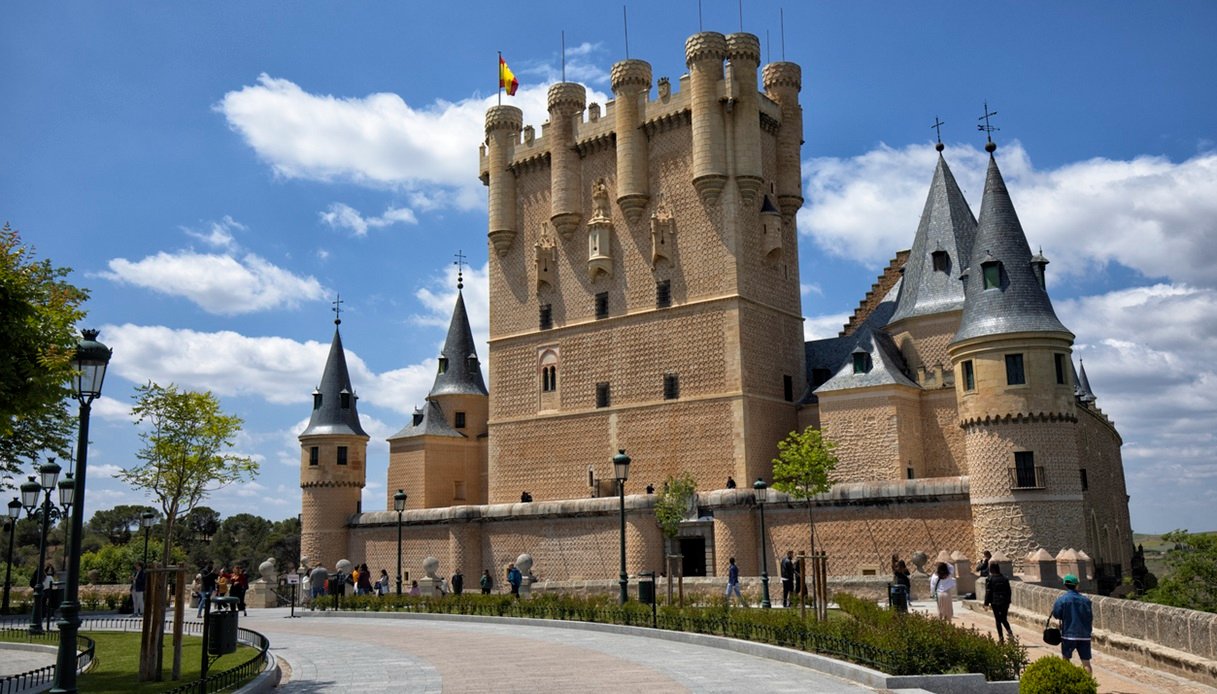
(117, 662)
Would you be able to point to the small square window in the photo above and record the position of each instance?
(342, 455)
(459, 420)
(969, 375)
(314, 455)
(663, 293)
(787, 388)
(671, 386)
(1014, 370)
(602, 305)
(1059, 361)
(603, 396)
(546, 318)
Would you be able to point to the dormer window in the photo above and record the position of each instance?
(471, 362)
(942, 261)
(417, 418)
(992, 273)
(862, 363)
(344, 399)
(316, 399)
(443, 365)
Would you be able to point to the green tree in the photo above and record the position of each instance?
(186, 452)
(117, 523)
(805, 460)
(197, 523)
(284, 543)
(243, 539)
(672, 504)
(1191, 576)
(39, 310)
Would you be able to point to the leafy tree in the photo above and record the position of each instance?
(672, 504)
(186, 450)
(39, 310)
(243, 539)
(1191, 580)
(117, 523)
(284, 543)
(198, 522)
(805, 460)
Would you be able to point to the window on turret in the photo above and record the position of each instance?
(316, 400)
(1015, 376)
(1025, 475)
(314, 455)
(992, 273)
(787, 388)
(546, 317)
(602, 305)
(344, 399)
(342, 455)
(458, 420)
(1059, 361)
(942, 261)
(443, 365)
(663, 293)
(862, 363)
(969, 375)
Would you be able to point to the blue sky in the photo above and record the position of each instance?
(216, 172)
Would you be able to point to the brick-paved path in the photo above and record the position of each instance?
(400, 655)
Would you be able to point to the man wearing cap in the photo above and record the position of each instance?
(1073, 611)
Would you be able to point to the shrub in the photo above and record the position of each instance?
(1053, 675)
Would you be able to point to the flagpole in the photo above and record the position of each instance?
(499, 67)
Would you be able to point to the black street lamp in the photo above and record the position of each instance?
(399, 505)
(761, 490)
(67, 495)
(14, 512)
(89, 367)
(146, 520)
(30, 491)
(621, 471)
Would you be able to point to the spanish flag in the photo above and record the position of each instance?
(507, 80)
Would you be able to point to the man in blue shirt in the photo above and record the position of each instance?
(1073, 610)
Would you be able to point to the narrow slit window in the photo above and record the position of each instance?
(1059, 362)
(545, 319)
(314, 455)
(603, 395)
(671, 386)
(602, 305)
(459, 420)
(787, 388)
(969, 376)
(663, 293)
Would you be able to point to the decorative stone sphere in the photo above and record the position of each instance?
(344, 565)
(524, 563)
(430, 566)
(267, 569)
(919, 559)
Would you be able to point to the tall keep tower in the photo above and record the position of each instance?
(1011, 357)
(333, 456)
(669, 323)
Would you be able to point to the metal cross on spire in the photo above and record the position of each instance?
(337, 302)
(988, 129)
(460, 269)
(937, 126)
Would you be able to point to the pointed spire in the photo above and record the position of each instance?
(1085, 394)
(1002, 293)
(460, 372)
(942, 246)
(334, 410)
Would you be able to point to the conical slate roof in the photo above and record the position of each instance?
(427, 421)
(947, 226)
(329, 414)
(886, 364)
(1019, 303)
(460, 373)
(1082, 389)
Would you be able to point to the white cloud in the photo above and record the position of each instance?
(825, 326)
(219, 284)
(218, 234)
(1149, 214)
(378, 140)
(342, 216)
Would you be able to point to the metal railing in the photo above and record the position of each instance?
(85, 651)
(1027, 477)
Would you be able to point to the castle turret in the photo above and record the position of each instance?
(783, 81)
(333, 455)
(744, 50)
(704, 54)
(631, 80)
(503, 125)
(1011, 360)
(566, 103)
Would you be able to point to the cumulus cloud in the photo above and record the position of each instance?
(218, 234)
(824, 326)
(219, 284)
(1149, 214)
(377, 140)
(342, 216)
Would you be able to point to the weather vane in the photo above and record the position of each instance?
(460, 269)
(937, 126)
(337, 302)
(988, 129)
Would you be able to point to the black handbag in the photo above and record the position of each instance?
(1052, 635)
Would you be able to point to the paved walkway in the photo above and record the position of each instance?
(16, 661)
(411, 655)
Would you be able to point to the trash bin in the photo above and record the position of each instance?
(646, 588)
(898, 597)
(222, 626)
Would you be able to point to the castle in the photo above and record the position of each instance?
(645, 296)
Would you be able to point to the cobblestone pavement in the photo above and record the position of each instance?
(408, 655)
(1115, 674)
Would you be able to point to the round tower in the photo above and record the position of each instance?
(333, 463)
(1011, 358)
(631, 80)
(704, 54)
(503, 125)
(566, 101)
(744, 51)
(783, 81)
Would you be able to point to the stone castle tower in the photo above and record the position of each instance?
(669, 323)
(333, 457)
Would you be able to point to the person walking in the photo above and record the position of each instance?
(486, 582)
(732, 581)
(997, 596)
(458, 582)
(139, 581)
(207, 587)
(1076, 616)
(515, 578)
(942, 583)
(788, 572)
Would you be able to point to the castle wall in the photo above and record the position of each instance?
(874, 432)
(1105, 501)
(942, 446)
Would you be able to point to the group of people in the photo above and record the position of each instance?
(209, 583)
(361, 582)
